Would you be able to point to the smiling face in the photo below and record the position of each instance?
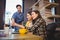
(19, 9)
(34, 15)
(29, 17)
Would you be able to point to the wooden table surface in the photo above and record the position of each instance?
(21, 37)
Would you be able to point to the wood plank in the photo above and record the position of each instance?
(22, 37)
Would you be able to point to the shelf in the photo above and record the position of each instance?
(53, 16)
(35, 4)
(47, 12)
(50, 5)
(47, 5)
(57, 29)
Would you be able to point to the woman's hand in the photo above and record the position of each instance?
(18, 25)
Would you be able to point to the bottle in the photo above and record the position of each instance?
(10, 28)
(6, 29)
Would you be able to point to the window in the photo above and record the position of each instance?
(52, 9)
(10, 9)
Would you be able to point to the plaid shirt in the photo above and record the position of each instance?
(39, 27)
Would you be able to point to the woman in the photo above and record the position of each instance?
(29, 20)
(38, 27)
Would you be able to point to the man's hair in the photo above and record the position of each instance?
(18, 5)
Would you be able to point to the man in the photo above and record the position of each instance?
(17, 18)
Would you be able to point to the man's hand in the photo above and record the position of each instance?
(15, 24)
(22, 26)
(18, 25)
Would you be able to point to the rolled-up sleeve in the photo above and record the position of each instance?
(14, 16)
